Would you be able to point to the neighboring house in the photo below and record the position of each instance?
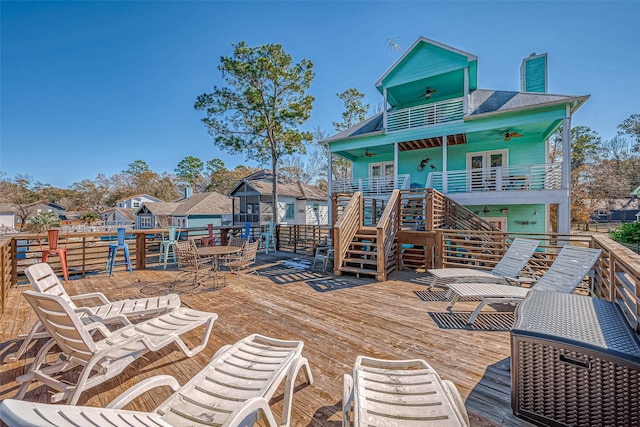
(134, 202)
(197, 210)
(615, 210)
(154, 215)
(298, 203)
(120, 217)
(485, 149)
(58, 210)
(7, 216)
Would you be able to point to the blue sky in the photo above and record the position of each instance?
(88, 87)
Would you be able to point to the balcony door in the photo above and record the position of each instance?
(381, 177)
(481, 172)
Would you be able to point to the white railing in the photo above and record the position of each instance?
(546, 176)
(425, 115)
(370, 186)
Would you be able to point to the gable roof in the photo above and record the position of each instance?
(158, 208)
(261, 182)
(203, 204)
(136, 196)
(128, 213)
(421, 40)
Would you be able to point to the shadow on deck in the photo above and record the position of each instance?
(338, 318)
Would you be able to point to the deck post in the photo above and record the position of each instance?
(141, 251)
(444, 164)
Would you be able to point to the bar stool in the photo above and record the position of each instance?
(247, 232)
(168, 244)
(52, 238)
(113, 250)
(268, 237)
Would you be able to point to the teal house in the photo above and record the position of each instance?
(485, 149)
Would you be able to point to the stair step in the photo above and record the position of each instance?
(359, 252)
(361, 261)
(357, 270)
(361, 244)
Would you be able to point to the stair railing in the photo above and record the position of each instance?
(346, 228)
(386, 233)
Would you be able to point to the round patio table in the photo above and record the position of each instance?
(215, 251)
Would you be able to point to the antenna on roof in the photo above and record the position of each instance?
(393, 43)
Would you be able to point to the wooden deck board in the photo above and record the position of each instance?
(337, 318)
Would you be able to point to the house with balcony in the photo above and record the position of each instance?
(485, 151)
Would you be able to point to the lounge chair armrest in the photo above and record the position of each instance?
(249, 407)
(99, 326)
(143, 386)
(456, 400)
(98, 295)
(471, 279)
(347, 398)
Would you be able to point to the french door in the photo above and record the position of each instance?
(481, 169)
(381, 177)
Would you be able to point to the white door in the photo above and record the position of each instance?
(381, 176)
(482, 168)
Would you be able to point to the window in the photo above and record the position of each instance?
(145, 222)
(136, 204)
(289, 211)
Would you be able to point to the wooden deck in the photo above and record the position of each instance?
(338, 318)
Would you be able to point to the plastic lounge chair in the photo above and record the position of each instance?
(230, 391)
(44, 280)
(400, 393)
(565, 274)
(108, 357)
(511, 264)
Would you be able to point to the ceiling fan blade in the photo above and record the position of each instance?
(516, 134)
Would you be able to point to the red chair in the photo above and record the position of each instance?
(210, 240)
(52, 237)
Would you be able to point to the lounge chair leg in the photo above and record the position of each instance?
(291, 381)
(347, 398)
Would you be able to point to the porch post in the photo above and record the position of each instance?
(395, 165)
(564, 209)
(444, 164)
(465, 96)
(329, 180)
(384, 109)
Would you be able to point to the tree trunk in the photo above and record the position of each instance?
(274, 189)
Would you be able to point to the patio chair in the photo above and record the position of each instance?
(507, 269)
(400, 393)
(235, 241)
(54, 249)
(246, 259)
(108, 357)
(323, 254)
(565, 274)
(209, 239)
(232, 390)
(44, 280)
(190, 264)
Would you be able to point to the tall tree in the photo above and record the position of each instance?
(355, 110)
(137, 167)
(631, 127)
(260, 109)
(189, 170)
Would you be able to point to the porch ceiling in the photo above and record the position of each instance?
(418, 144)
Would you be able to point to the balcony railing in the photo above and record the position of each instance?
(425, 115)
(370, 186)
(546, 176)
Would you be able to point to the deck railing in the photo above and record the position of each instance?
(386, 230)
(425, 115)
(545, 176)
(370, 186)
(347, 227)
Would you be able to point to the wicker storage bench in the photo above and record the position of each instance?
(575, 361)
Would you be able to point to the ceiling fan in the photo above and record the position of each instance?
(427, 93)
(508, 135)
(369, 153)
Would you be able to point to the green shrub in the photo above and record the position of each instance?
(627, 233)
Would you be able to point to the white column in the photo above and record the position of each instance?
(329, 180)
(384, 109)
(395, 165)
(564, 209)
(465, 96)
(444, 164)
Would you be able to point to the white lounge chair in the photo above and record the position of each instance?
(565, 274)
(231, 390)
(400, 393)
(105, 358)
(44, 280)
(508, 268)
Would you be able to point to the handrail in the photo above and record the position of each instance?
(371, 185)
(386, 233)
(425, 115)
(347, 227)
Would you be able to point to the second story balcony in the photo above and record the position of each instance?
(545, 176)
(372, 186)
(425, 115)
